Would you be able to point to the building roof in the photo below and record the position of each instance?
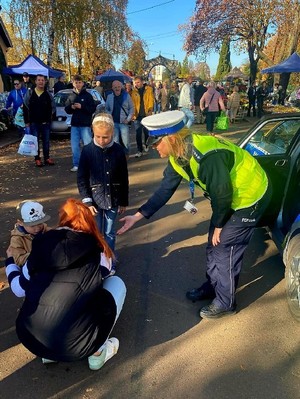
(4, 34)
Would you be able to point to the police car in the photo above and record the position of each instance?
(275, 142)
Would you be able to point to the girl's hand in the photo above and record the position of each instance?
(121, 209)
(93, 210)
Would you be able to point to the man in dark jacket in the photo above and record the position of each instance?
(38, 109)
(82, 106)
(252, 98)
(261, 95)
(26, 81)
(199, 90)
(60, 84)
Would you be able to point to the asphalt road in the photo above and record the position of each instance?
(166, 350)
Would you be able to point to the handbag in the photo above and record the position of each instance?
(205, 111)
(28, 145)
(222, 122)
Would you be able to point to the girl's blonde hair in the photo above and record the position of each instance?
(179, 145)
(104, 120)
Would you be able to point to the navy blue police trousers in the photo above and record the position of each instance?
(224, 261)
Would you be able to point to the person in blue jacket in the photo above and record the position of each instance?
(16, 97)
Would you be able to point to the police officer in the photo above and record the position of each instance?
(239, 192)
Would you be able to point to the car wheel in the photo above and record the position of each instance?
(292, 278)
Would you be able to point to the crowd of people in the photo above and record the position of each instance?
(67, 274)
(32, 107)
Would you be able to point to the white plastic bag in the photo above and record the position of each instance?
(28, 145)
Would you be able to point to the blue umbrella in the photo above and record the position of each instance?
(111, 74)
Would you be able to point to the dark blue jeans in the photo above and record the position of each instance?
(41, 130)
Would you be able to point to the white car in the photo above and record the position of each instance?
(62, 122)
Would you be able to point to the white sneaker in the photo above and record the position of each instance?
(74, 169)
(138, 154)
(109, 350)
(146, 148)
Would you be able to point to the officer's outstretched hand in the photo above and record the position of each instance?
(129, 220)
(216, 236)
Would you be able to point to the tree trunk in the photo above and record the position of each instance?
(253, 63)
(284, 81)
(30, 30)
(51, 33)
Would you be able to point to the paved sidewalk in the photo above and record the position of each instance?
(8, 137)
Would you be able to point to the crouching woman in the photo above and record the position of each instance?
(69, 310)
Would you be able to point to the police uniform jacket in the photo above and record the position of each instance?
(221, 169)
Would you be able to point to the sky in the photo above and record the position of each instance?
(157, 21)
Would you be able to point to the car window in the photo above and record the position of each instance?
(94, 95)
(60, 99)
(274, 137)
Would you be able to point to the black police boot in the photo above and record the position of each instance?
(198, 294)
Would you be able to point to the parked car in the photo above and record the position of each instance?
(275, 142)
(62, 122)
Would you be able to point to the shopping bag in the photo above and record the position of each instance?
(222, 122)
(28, 145)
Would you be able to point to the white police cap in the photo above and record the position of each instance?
(163, 124)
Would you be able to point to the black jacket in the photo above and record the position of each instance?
(103, 176)
(59, 85)
(251, 93)
(66, 315)
(38, 109)
(81, 117)
(198, 93)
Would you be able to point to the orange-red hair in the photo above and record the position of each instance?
(77, 216)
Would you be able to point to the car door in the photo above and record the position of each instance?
(290, 207)
(271, 142)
